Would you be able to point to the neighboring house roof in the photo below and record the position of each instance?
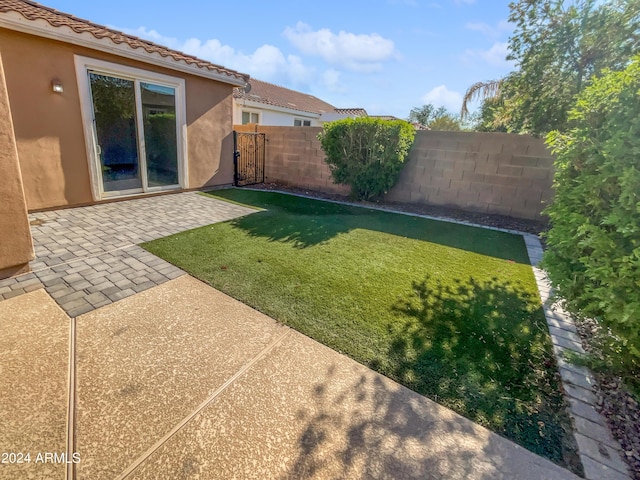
(352, 112)
(385, 117)
(342, 113)
(36, 13)
(270, 94)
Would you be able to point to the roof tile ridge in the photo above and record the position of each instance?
(111, 33)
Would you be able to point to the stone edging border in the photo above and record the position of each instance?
(599, 452)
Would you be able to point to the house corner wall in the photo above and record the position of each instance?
(16, 247)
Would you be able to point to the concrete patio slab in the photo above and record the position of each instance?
(181, 381)
(305, 411)
(34, 360)
(147, 361)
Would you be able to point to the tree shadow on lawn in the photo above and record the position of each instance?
(307, 222)
(482, 349)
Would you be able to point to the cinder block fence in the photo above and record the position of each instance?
(483, 172)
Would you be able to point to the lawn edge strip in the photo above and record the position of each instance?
(211, 193)
(383, 209)
(600, 454)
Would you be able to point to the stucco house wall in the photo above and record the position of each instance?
(16, 248)
(49, 130)
(49, 155)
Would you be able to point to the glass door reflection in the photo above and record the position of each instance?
(114, 108)
(160, 134)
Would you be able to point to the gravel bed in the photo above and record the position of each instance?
(619, 407)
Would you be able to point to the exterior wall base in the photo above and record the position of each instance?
(15, 270)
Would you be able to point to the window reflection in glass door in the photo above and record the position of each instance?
(159, 123)
(114, 108)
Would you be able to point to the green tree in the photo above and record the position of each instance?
(446, 122)
(593, 255)
(558, 47)
(435, 118)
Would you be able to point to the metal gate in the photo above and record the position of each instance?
(248, 158)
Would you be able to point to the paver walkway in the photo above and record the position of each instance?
(88, 257)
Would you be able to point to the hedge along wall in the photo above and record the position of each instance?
(483, 172)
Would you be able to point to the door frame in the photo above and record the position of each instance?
(85, 64)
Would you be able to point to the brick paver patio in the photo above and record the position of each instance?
(88, 257)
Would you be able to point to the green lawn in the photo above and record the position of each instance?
(450, 311)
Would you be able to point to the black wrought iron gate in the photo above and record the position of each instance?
(248, 158)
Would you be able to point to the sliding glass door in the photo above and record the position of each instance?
(114, 108)
(159, 123)
(136, 134)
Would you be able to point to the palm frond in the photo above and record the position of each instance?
(480, 90)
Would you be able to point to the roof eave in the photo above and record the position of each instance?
(269, 106)
(42, 28)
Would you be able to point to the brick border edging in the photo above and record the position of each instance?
(599, 452)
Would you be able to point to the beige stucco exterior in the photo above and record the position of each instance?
(16, 248)
(49, 132)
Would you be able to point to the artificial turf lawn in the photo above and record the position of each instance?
(448, 310)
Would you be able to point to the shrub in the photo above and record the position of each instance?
(366, 153)
(593, 255)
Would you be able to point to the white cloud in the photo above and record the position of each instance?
(442, 96)
(152, 35)
(481, 27)
(496, 55)
(357, 52)
(267, 62)
(464, 2)
(330, 79)
(490, 31)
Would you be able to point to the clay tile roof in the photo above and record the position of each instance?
(356, 112)
(270, 94)
(384, 117)
(34, 11)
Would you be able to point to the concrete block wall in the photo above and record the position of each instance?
(294, 157)
(495, 173)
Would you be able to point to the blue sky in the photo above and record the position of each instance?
(386, 56)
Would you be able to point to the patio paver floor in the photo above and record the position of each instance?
(88, 257)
